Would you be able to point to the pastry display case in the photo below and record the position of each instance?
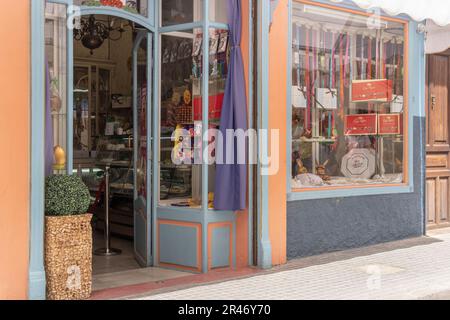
(116, 152)
(182, 113)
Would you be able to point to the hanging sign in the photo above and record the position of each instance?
(361, 125)
(372, 90)
(388, 124)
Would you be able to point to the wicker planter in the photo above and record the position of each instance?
(68, 257)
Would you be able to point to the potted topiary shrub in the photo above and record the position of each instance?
(68, 238)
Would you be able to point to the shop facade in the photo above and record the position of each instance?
(204, 239)
(330, 203)
(173, 222)
(345, 94)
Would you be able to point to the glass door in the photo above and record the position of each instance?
(81, 92)
(142, 111)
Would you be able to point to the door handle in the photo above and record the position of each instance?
(433, 102)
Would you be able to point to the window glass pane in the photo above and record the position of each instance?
(348, 107)
(133, 6)
(81, 139)
(56, 56)
(218, 11)
(180, 11)
(218, 71)
(180, 140)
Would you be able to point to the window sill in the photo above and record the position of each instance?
(194, 215)
(340, 192)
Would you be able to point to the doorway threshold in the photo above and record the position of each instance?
(174, 280)
(133, 277)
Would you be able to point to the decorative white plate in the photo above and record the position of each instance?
(359, 164)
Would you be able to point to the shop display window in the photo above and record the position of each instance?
(349, 103)
(180, 83)
(132, 6)
(218, 66)
(182, 113)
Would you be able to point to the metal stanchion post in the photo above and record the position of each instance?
(107, 251)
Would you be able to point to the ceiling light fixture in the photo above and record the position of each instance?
(93, 33)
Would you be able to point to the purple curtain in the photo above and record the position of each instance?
(231, 179)
(49, 158)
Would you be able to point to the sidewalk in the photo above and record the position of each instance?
(409, 269)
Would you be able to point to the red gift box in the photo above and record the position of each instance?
(402, 123)
(372, 90)
(388, 124)
(215, 107)
(361, 125)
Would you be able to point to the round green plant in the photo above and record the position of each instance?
(66, 195)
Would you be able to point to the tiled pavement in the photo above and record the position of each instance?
(410, 269)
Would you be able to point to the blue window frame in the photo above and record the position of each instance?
(415, 87)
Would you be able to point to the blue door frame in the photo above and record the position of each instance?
(143, 204)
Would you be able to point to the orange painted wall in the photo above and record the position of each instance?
(278, 42)
(242, 217)
(14, 146)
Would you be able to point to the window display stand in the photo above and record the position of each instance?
(107, 251)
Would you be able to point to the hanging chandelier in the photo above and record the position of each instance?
(93, 33)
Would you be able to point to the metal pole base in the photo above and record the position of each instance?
(107, 252)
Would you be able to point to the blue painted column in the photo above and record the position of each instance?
(251, 125)
(36, 289)
(417, 109)
(155, 132)
(205, 123)
(264, 244)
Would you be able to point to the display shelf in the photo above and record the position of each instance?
(124, 136)
(314, 140)
(211, 80)
(172, 203)
(180, 167)
(114, 165)
(377, 102)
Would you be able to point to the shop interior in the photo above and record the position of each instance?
(103, 142)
